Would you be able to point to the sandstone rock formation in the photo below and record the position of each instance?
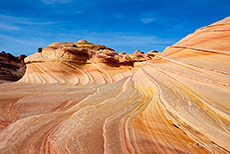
(11, 68)
(80, 63)
(178, 102)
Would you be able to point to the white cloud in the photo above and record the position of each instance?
(118, 16)
(12, 22)
(16, 40)
(127, 42)
(9, 27)
(57, 1)
(147, 20)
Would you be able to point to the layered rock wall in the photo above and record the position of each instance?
(11, 68)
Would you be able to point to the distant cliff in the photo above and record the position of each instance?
(11, 68)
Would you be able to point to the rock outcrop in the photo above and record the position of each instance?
(80, 63)
(11, 68)
(178, 102)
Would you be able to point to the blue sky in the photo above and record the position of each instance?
(124, 25)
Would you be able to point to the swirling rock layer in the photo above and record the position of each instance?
(81, 63)
(178, 102)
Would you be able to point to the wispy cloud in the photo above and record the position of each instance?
(117, 24)
(118, 16)
(130, 42)
(23, 35)
(23, 21)
(57, 1)
(147, 20)
(9, 27)
(127, 42)
(15, 40)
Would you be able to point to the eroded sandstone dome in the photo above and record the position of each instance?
(80, 63)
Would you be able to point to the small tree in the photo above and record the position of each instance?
(39, 49)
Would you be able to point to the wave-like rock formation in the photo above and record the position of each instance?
(11, 68)
(178, 102)
(81, 63)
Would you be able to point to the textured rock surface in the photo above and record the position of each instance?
(11, 68)
(80, 63)
(176, 103)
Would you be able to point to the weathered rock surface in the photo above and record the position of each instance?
(178, 102)
(80, 63)
(11, 68)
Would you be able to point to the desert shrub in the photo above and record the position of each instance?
(39, 49)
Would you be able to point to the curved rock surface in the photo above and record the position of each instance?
(80, 63)
(178, 102)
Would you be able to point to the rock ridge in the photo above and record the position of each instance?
(11, 68)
